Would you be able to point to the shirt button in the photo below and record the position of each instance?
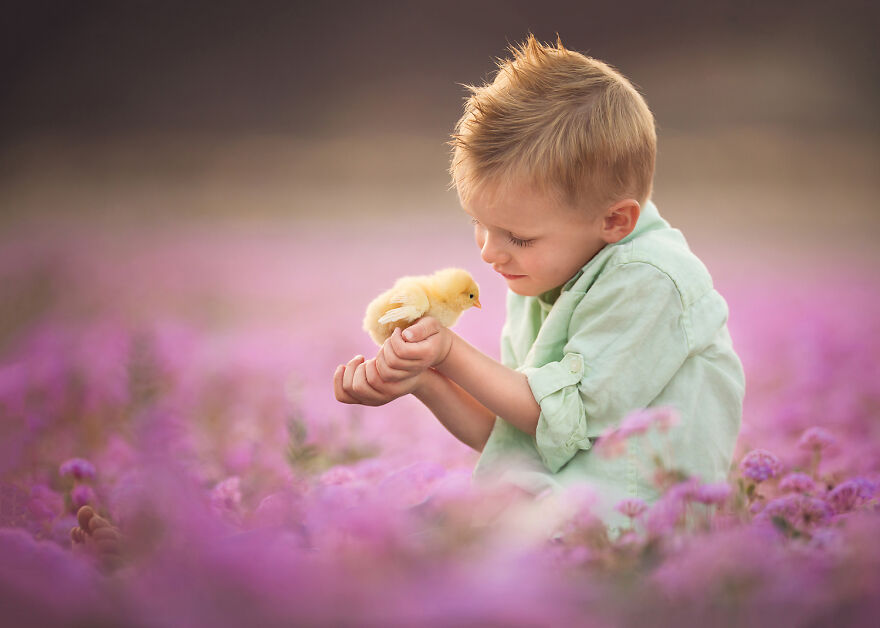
(574, 364)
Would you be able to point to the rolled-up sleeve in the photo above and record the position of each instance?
(626, 339)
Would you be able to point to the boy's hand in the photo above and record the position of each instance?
(423, 344)
(359, 382)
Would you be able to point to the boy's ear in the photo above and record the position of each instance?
(619, 220)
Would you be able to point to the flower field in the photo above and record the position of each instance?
(177, 379)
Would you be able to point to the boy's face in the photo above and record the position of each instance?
(529, 238)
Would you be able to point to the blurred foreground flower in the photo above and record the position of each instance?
(246, 496)
(759, 465)
(77, 468)
(816, 438)
(797, 483)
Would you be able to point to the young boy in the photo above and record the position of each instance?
(608, 311)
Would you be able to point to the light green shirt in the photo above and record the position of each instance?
(639, 326)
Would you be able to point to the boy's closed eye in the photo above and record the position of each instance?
(510, 237)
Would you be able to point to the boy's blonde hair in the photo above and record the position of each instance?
(571, 124)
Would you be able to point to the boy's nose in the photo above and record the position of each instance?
(490, 252)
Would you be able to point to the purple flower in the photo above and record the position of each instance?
(816, 438)
(664, 515)
(226, 496)
(828, 539)
(78, 468)
(685, 490)
(282, 508)
(640, 421)
(797, 483)
(81, 495)
(45, 504)
(612, 441)
(631, 507)
(851, 494)
(337, 475)
(759, 465)
(636, 422)
(799, 510)
(715, 493)
(814, 511)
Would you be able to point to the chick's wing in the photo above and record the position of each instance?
(412, 302)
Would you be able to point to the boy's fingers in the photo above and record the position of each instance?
(362, 389)
(391, 354)
(348, 376)
(372, 375)
(341, 395)
(407, 353)
(388, 373)
(107, 534)
(83, 515)
(421, 329)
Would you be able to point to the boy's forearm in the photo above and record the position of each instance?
(465, 417)
(502, 390)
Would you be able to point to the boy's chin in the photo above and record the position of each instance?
(526, 289)
(517, 287)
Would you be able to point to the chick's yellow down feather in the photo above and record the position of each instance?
(443, 295)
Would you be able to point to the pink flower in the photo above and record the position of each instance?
(759, 465)
(78, 468)
(640, 421)
(665, 515)
(45, 503)
(798, 510)
(685, 490)
(636, 422)
(797, 483)
(716, 493)
(631, 507)
(227, 494)
(610, 443)
(337, 475)
(81, 495)
(816, 438)
(851, 494)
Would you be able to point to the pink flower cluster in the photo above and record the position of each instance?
(185, 396)
(759, 465)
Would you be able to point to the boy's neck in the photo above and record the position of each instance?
(550, 296)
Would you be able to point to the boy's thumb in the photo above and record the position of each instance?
(421, 329)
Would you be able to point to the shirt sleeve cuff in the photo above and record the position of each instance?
(562, 424)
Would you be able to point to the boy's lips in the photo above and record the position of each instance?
(506, 276)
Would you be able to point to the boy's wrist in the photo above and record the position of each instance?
(423, 382)
(448, 339)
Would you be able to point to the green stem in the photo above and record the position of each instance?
(814, 463)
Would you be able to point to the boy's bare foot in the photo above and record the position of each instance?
(99, 537)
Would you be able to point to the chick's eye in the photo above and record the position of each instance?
(470, 296)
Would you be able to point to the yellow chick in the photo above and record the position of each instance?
(443, 295)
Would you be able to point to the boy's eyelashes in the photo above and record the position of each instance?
(510, 237)
(519, 241)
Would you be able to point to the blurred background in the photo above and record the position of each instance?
(126, 125)
(767, 111)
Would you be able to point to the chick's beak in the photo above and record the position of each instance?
(477, 302)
